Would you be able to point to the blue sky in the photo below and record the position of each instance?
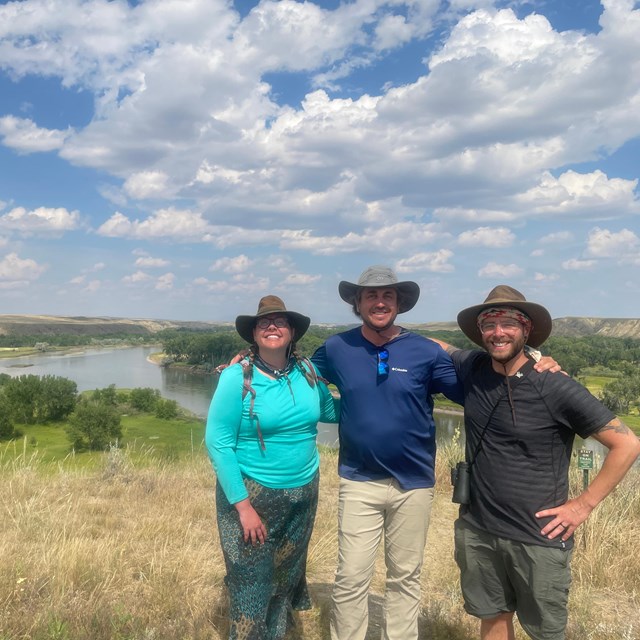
(180, 158)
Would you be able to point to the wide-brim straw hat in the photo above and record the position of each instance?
(268, 305)
(380, 276)
(506, 296)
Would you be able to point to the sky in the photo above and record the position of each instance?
(179, 159)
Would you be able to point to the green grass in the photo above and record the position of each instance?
(595, 384)
(144, 435)
(170, 439)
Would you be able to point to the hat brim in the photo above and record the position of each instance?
(540, 319)
(299, 324)
(409, 291)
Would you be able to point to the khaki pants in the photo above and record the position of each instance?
(368, 511)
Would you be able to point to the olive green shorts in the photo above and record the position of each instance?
(499, 575)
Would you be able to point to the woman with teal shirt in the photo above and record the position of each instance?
(261, 437)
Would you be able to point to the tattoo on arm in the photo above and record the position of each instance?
(615, 425)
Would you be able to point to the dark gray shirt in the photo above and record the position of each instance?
(522, 462)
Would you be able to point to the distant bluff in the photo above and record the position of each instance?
(570, 327)
(610, 327)
(34, 325)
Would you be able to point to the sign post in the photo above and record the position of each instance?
(585, 462)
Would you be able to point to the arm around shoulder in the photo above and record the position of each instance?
(449, 348)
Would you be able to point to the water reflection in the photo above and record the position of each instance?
(446, 427)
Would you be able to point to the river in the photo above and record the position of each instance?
(129, 368)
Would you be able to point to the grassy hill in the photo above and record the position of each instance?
(34, 325)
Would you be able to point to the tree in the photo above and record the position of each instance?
(57, 398)
(21, 396)
(619, 395)
(108, 395)
(166, 409)
(93, 425)
(34, 399)
(6, 424)
(144, 399)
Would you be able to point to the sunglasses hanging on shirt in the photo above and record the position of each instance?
(383, 363)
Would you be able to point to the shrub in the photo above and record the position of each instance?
(94, 425)
(144, 399)
(166, 409)
(107, 395)
(6, 425)
(33, 399)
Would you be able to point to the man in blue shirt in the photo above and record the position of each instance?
(386, 376)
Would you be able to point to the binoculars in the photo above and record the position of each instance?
(460, 479)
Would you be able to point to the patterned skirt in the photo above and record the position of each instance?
(267, 582)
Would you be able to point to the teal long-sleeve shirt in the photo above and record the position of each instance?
(288, 418)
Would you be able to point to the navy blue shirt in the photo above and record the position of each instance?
(386, 421)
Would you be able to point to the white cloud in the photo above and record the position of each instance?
(545, 278)
(184, 109)
(578, 265)
(149, 262)
(502, 271)
(392, 31)
(165, 223)
(92, 286)
(558, 237)
(473, 215)
(437, 261)
(15, 269)
(239, 264)
(243, 284)
(146, 184)
(165, 282)
(24, 136)
(279, 262)
(399, 237)
(582, 194)
(603, 243)
(40, 220)
(300, 279)
(493, 237)
(136, 278)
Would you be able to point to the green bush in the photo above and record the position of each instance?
(144, 399)
(108, 395)
(33, 399)
(94, 425)
(166, 409)
(6, 425)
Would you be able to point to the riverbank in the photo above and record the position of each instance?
(21, 352)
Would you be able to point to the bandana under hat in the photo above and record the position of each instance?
(506, 312)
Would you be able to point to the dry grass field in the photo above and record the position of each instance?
(129, 552)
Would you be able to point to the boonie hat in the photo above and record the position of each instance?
(505, 296)
(268, 305)
(381, 276)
